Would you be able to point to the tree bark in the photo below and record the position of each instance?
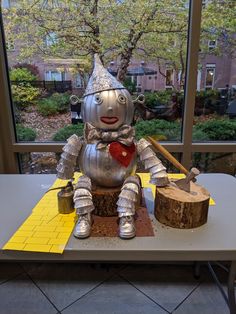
(179, 209)
(105, 200)
(124, 63)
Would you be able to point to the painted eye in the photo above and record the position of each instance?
(98, 99)
(122, 99)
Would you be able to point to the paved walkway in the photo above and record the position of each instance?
(38, 288)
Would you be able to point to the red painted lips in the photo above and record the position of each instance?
(109, 120)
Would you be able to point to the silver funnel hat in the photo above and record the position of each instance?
(101, 80)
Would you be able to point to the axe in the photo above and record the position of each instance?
(174, 161)
(184, 184)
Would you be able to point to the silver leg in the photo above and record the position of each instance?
(231, 293)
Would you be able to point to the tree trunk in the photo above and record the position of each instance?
(124, 63)
(179, 209)
(105, 200)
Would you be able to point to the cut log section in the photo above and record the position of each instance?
(179, 209)
(105, 199)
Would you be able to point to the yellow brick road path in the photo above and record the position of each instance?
(45, 230)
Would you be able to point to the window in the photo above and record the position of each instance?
(169, 76)
(54, 76)
(210, 76)
(211, 44)
(194, 138)
(213, 127)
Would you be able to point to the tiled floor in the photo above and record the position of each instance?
(38, 288)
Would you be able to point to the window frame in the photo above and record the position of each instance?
(210, 67)
(10, 148)
(48, 75)
(210, 46)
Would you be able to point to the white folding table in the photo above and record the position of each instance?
(214, 241)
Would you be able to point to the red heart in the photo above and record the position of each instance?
(122, 153)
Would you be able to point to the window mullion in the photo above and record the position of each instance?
(191, 78)
(8, 157)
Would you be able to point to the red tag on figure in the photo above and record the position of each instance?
(122, 153)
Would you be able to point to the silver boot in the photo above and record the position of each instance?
(83, 226)
(126, 227)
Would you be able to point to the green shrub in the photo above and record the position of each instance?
(24, 95)
(159, 129)
(207, 100)
(128, 84)
(47, 107)
(199, 135)
(211, 93)
(62, 101)
(218, 130)
(25, 134)
(161, 97)
(151, 100)
(57, 103)
(21, 74)
(164, 96)
(63, 134)
(32, 68)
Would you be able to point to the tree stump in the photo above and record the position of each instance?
(179, 209)
(105, 200)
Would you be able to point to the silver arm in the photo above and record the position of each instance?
(67, 163)
(152, 163)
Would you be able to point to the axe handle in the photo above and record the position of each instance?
(167, 155)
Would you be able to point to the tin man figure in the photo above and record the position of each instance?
(107, 152)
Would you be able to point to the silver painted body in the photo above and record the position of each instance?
(102, 168)
(107, 110)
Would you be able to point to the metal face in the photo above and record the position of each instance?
(108, 110)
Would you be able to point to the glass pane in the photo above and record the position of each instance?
(170, 167)
(215, 106)
(49, 46)
(215, 162)
(46, 162)
(37, 163)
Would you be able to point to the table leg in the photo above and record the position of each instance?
(197, 270)
(231, 292)
(218, 283)
(230, 298)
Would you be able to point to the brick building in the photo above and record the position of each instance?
(215, 72)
